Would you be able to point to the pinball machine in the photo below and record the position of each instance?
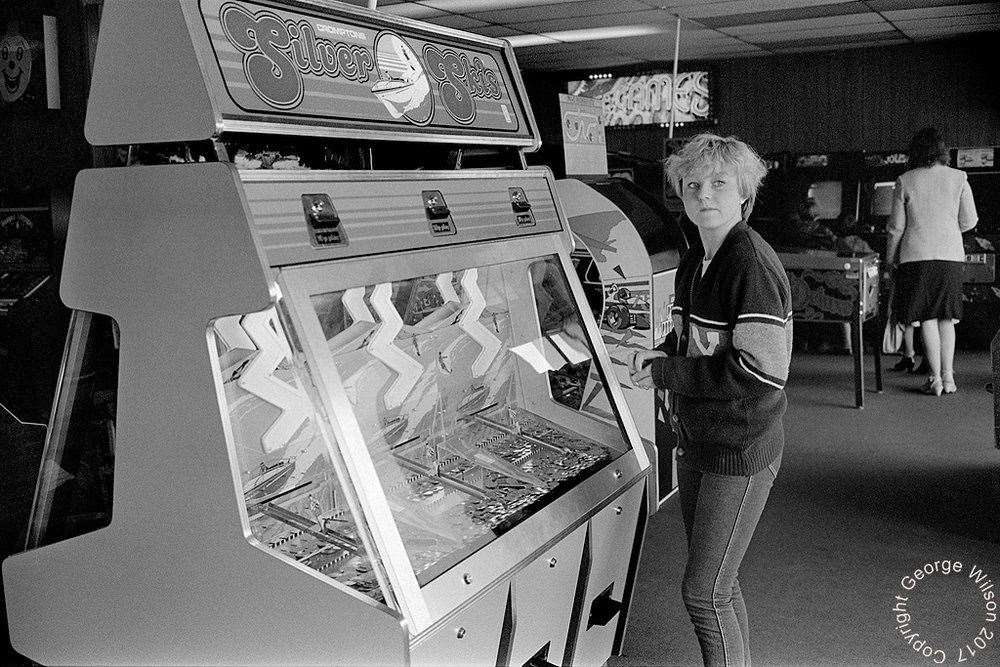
(628, 248)
(340, 430)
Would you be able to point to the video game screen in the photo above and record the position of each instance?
(882, 194)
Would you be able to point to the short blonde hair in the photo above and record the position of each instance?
(710, 151)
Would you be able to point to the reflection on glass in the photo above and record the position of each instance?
(290, 491)
(448, 377)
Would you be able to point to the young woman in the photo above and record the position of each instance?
(724, 366)
(931, 208)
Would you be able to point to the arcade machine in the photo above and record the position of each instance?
(981, 290)
(627, 251)
(340, 432)
(771, 208)
(878, 185)
(827, 288)
(831, 180)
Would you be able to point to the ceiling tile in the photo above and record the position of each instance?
(831, 42)
(552, 10)
(958, 23)
(720, 15)
(815, 24)
(895, 5)
(842, 47)
(652, 16)
(413, 10)
(943, 33)
(458, 21)
(491, 30)
(951, 10)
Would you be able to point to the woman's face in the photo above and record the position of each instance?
(712, 198)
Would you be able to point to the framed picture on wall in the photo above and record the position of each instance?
(29, 61)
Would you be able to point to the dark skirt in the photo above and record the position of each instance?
(928, 290)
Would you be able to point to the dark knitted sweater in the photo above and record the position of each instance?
(728, 356)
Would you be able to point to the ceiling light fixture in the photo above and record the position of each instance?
(586, 35)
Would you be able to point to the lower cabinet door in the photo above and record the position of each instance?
(542, 602)
(611, 540)
(469, 636)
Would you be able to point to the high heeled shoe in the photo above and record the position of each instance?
(905, 363)
(948, 384)
(932, 386)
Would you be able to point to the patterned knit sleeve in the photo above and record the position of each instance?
(762, 337)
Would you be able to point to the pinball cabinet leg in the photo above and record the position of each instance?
(857, 344)
(879, 328)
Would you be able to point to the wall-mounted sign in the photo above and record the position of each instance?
(647, 99)
(876, 160)
(818, 160)
(276, 61)
(583, 136)
(974, 158)
(29, 63)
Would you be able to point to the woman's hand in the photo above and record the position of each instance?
(640, 369)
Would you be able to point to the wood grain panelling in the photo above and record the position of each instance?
(854, 99)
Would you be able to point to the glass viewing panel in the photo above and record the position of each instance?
(827, 195)
(291, 495)
(449, 378)
(882, 194)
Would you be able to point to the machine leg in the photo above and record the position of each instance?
(859, 362)
(878, 353)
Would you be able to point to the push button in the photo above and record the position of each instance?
(521, 207)
(322, 220)
(438, 213)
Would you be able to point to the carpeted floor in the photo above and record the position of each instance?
(863, 498)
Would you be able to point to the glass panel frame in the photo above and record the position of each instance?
(301, 284)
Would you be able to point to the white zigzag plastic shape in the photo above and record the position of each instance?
(232, 334)
(258, 379)
(381, 346)
(471, 325)
(446, 288)
(354, 301)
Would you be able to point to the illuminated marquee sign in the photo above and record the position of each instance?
(876, 160)
(278, 61)
(647, 99)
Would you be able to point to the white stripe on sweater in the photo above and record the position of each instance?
(764, 315)
(705, 321)
(758, 376)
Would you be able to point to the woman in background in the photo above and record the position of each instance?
(931, 208)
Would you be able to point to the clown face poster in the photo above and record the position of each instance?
(23, 76)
